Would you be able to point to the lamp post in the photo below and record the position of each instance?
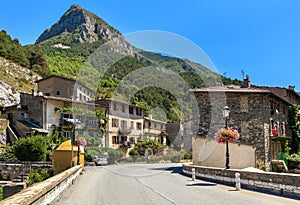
(226, 112)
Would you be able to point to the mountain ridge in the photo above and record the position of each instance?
(86, 26)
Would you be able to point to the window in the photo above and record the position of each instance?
(124, 124)
(115, 106)
(123, 139)
(139, 125)
(114, 139)
(115, 122)
(138, 111)
(161, 127)
(130, 109)
(69, 116)
(123, 108)
(80, 118)
(132, 125)
(91, 122)
(80, 134)
(57, 92)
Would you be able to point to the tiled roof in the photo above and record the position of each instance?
(238, 89)
(230, 88)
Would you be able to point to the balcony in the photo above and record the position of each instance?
(280, 134)
(125, 130)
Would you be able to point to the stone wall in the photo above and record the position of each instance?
(277, 183)
(3, 127)
(10, 171)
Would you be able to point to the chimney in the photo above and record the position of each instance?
(291, 87)
(246, 83)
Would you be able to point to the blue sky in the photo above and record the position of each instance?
(260, 37)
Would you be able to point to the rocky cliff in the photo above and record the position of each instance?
(13, 80)
(86, 27)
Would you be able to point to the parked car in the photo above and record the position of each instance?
(100, 160)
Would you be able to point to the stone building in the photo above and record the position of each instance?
(58, 86)
(57, 99)
(260, 115)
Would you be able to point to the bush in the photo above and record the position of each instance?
(134, 154)
(8, 155)
(114, 155)
(175, 158)
(151, 145)
(88, 157)
(188, 155)
(38, 176)
(129, 159)
(31, 149)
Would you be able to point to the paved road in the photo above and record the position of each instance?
(158, 184)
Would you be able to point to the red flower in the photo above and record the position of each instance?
(274, 132)
(224, 135)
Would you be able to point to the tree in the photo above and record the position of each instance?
(151, 145)
(294, 125)
(31, 148)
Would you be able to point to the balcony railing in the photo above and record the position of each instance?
(125, 130)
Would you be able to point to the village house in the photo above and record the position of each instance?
(259, 114)
(125, 124)
(155, 130)
(57, 100)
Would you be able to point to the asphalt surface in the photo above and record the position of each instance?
(159, 184)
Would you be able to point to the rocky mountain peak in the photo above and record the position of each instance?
(83, 26)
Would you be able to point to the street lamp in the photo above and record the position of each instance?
(226, 112)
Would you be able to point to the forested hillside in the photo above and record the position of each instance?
(30, 56)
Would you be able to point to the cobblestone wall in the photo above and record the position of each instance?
(9, 171)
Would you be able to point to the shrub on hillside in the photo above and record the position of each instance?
(31, 149)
